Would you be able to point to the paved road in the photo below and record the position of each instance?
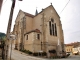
(17, 55)
(69, 58)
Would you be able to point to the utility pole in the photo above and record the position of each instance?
(1, 1)
(9, 30)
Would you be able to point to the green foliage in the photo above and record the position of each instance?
(2, 36)
(26, 51)
(40, 54)
(52, 51)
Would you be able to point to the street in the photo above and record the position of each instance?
(17, 55)
(77, 57)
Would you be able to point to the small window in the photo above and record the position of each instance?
(27, 37)
(38, 36)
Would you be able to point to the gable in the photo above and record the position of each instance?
(19, 15)
(49, 8)
(51, 11)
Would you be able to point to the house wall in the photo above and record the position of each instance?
(75, 50)
(29, 43)
(32, 44)
(69, 49)
(79, 50)
(29, 24)
(37, 43)
(17, 28)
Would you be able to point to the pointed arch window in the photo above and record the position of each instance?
(52, 27)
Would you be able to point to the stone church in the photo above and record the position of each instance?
(41, 32)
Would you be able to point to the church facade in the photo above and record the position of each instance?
(40, 32)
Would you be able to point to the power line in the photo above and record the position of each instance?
(64, 7)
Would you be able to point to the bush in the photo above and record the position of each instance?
(39, 54)
(44, 54)
(52, 51)
(26, 51)
(35, 54)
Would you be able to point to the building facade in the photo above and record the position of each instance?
(73, 48)
(69, 48)
(39, 32)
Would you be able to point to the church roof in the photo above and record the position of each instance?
(28, 14)
(46, 8)
(73, 44)
(36, 12)
(36, 30)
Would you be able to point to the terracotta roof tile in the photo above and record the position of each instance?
(36, 30)
(73, 44)
(28, 14)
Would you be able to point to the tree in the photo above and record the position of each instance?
(2, 36)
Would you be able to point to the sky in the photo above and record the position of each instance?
(69, 16)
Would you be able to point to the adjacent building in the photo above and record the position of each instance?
(69, 48)
(39, 32)
(73, 48)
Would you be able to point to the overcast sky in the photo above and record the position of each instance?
(70, 16)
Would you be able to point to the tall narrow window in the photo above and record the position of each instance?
(50, 28)
(38, 36)
(55, 30)
(27, 37)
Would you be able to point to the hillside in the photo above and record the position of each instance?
(2, 35)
